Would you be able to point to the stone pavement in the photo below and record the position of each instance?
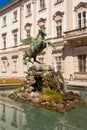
(76, 83)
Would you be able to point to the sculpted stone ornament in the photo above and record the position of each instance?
(34, 77)
(35, 46)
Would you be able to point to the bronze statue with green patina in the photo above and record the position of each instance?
(36, 46)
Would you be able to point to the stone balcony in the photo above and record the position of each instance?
(76, 37)
(80, 76)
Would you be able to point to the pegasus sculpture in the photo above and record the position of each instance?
(35, 46)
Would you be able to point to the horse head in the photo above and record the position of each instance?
(42, 32)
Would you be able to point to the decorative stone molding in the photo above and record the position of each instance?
(58, 15)
(4, 34)
(34, 1)
(14, 57)
(81, 4)
(41, 21)
(15, 30)
(4, 58)
(27, 25)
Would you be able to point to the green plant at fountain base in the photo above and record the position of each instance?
(18, 89)
(50, 95)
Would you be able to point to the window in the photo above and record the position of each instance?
(82, 19)
(4, 66)
(28, 32)
(82, 63)
(59, 27)
(27, 28)
(42, 4)
(41, 60)
(4, 42)
(4, 21)
(14, 70)
(58, 63)
(28, 9)
(15, 16)
(15, 39)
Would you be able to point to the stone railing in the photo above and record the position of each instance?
(80, 75)
(76, 33)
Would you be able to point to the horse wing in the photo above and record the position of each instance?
(28, 41)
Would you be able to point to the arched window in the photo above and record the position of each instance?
(81, 14)
(28, 29)
(57, 17)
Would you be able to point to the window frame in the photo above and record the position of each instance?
(42, 4)
(4, 66)
(28, 33)
(15, 16)
(14, 66)
(15, 38)
(59, 28)
(58, 63)
(81, 20)
(28, 9)
(4, 42)
(82, 63)
(4, 21)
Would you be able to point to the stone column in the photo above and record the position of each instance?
(34, 17)
(69, 14)
(21, 19)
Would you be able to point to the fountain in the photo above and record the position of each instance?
(44, 86)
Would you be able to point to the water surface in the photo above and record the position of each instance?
(19, 116)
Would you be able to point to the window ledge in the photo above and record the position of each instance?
(28, 15)
(81, 73)
(3, 48)
(58, 2)
(14, 46)
(15, 21)
(42, 9)
(4, 26)
(14, 72)
(4, 72)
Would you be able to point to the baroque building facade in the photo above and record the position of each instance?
(66, 27)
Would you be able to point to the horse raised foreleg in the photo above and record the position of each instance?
(36, 60)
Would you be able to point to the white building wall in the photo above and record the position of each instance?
(9, 27)
(68, 23)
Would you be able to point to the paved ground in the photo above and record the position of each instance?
(76, 83)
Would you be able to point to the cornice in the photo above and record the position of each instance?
(9, 5)
(81, 4)
(41, 20)
(58, 13)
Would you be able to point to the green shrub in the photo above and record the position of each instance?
(50, 95)
(18, 89)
